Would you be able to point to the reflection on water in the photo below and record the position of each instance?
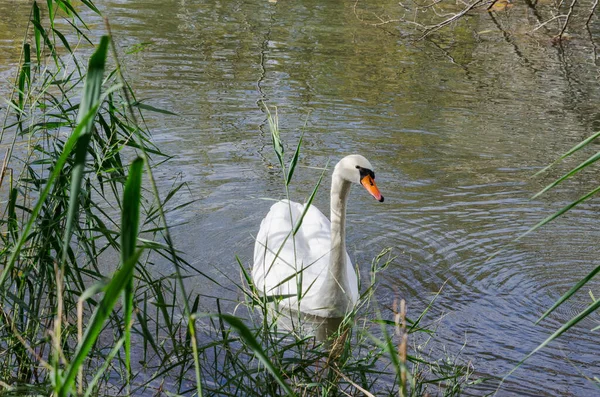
(454, 129)
(322, 328)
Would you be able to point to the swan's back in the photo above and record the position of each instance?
(280, 259)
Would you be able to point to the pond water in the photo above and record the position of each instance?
(455, 128)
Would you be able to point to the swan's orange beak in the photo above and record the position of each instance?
(369, 183)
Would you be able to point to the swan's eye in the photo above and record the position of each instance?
(365, 171)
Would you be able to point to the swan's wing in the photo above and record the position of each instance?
(313, 242)
(280, 257)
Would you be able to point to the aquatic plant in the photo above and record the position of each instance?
(594, 304)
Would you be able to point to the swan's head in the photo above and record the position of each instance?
(357, 169)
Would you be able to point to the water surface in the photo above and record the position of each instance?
(454, 127)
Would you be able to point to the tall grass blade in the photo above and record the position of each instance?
(67, 149)
(570, 292)
(70, 10)
(165, 232)
(100, 372)
(90, 99)
(39, 29)
(590, 309)
(293, 162)
(91, 6)
(117, 284)
(246, 275)
(559, 212)
(570, 152)
(308, 203)
(130, 221)
(13, 223)
(50, 4)
(27, 62)
(575, 170)
(63, 39)
(154, 109)
(275, 135)
(251, 341)
(24, 75)
(416, 323)
(37, 34)
(388, 345)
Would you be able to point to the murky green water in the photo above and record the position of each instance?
(455, 129)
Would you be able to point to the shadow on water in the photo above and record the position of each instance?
(308, 325)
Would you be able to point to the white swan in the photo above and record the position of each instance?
(315, 259)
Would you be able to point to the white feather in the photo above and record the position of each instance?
(312, 258)
(311, 270)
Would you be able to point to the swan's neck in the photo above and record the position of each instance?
(337, 284)
(339, 196)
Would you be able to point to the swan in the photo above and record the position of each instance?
(311, 271)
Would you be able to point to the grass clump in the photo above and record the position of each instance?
(78, 191)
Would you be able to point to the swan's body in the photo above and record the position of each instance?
(312, 270)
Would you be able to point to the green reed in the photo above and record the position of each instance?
(78, 193)
(594, 304)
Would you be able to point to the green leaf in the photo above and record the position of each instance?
(12, 222)
(105, 364)
(130, 217)
(559, 212)
(590, 309)
(152, 108)
(27, 62)
(90, 100)
(294, 161)
(245, 273)
(571, 151)
(575, 170)
(37, 34)
(251, 341)
(570, 292)
(63, 39)
(50, 4)
(308, 203)
(117, 284)
(388, 345)
(69, 10)
(416, 323)
(45, 126)
(67, 149)
(134, 49)
(130, 220)
(91, 6)
(24, 75)
(39, 30)
(275, 135)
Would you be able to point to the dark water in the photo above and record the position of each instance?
(454, 127)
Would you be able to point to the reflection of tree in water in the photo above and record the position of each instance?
(549, 40)
(427, 17)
